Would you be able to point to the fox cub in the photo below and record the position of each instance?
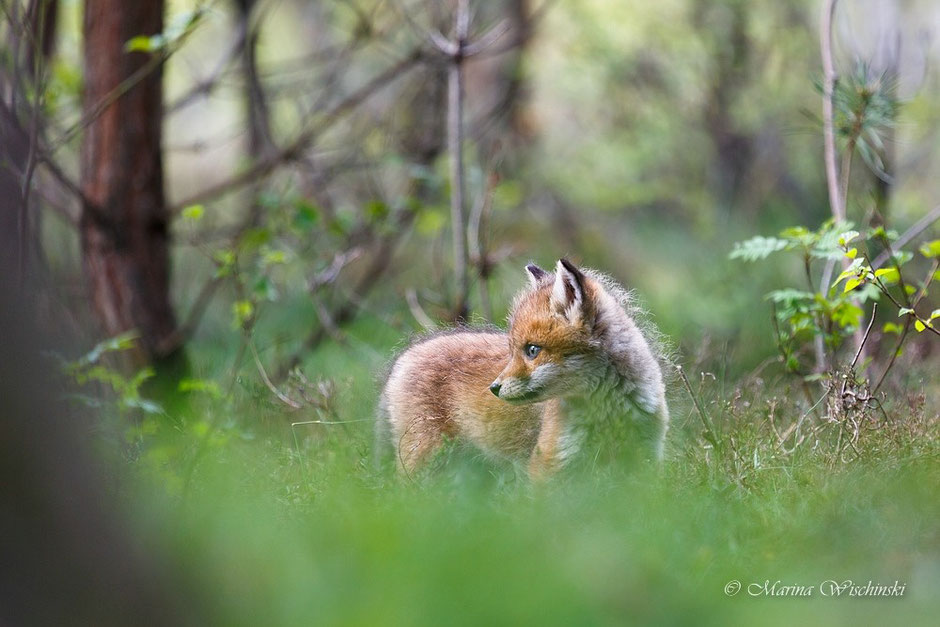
(573, 358)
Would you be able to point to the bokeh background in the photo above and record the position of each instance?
(222, 219)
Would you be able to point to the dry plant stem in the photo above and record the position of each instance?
(479, 216)
(411, 296)
(858, 353)
(706, 422)
(267, 381)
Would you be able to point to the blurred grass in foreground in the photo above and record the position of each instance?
(281, 538)
(277, 533)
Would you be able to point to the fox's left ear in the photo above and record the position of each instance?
(536, 274)
(568, 292)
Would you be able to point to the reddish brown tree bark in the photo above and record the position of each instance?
(124, 225)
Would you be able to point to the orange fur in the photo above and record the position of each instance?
(573, 355)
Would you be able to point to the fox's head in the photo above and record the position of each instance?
(549, 336)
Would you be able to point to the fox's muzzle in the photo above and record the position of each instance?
(494, 388)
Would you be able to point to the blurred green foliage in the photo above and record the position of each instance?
(659, 135)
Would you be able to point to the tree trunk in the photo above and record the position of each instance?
(124, 223)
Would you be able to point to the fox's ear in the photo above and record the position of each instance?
(536, 274)
(568, 291)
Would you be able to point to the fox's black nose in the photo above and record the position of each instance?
(494, 388)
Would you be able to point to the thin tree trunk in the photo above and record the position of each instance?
(124, 223)
(455, 93)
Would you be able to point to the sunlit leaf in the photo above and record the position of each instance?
(194, 212)
(930, 249)
(851, 284)
(888, 275)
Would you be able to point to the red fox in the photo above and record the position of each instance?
(573, 357)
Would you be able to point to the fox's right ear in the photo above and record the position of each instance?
(568, 292)
(536, 274)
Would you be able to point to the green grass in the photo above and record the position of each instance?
(271, 532)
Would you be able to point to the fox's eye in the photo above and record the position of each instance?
(531, 350)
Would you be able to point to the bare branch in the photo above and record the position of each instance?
(858, 353)
(455, 147)
(919, 227)
(294, 150)
(487, 39)
(829, 77)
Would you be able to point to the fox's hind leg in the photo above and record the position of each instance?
(420, 440)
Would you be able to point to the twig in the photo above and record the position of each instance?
(907, 324)
(479, 216)
(208, 84)
(293, 151)
(267, 381)
(32, 152)
(329, 275)
(919, 227)
(858, 353)
(411, 297)
(93, 112)
(706, 422)
(894, 353)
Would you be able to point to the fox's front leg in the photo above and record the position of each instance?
(550, 450)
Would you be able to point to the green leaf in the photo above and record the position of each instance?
(795, 232)
(376, 210)
(242, 311)
(904, 310)
(254, 238)
(788, 295)
(273, 257)
(756, 248)
(122, 342)
(935, 314)
(142, 43)
(265, 289)
(847, 237)
(854, 270)
(200, 385)
(888, 275)
(901, 257)
(306, 215)
(851, 253)
(920, 326)
(430, 222)
(851, 284)
(194, 212)
(930, 249)
(847, 315)
(892, 327)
